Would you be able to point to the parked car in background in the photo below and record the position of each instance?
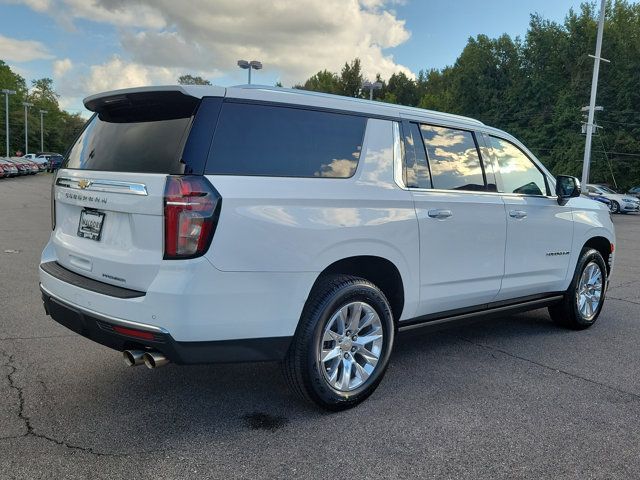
(21, 165)
(55, 161)
(42, 161)
(601, 199)
(635, 191)
(209, 224)
(33, 166)
(29, 156)
(2, 172)
(10, 169)
(620, 203)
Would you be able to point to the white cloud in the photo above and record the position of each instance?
(117, 73)
(120, 13)
(15, 50)
(60, 67)
(293, 38)
(37, 5)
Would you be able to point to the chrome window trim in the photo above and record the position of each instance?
(109, 186)
(398, 158)
(479, 192)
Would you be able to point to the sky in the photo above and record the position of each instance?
(89, 46)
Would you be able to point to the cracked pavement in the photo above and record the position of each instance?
(512, 397)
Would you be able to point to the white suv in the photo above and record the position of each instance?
(204, 224)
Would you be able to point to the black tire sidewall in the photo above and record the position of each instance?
(363, 291)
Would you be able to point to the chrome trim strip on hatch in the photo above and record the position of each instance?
(110, 186)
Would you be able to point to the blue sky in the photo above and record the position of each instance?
(92, 45)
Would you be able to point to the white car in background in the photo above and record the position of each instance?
(620, 203)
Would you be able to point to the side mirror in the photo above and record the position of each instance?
(567, 187)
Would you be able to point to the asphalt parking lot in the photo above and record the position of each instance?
(514, 397)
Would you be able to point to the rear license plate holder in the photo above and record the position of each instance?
(90, 224)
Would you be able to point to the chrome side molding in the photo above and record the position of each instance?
(110, 186)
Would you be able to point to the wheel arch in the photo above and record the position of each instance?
(378, 270)
(603, 246)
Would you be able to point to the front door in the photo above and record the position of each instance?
(539, 230)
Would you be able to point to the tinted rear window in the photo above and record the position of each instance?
(267, 140)
(145, 135)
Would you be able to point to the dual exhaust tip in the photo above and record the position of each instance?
(151, 358)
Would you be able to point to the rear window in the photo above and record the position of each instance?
(253, 139)
(135, 134)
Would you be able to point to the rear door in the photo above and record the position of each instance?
(461, 221)
(109, 192)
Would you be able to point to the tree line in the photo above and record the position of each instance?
(60, 127)
(534, 87)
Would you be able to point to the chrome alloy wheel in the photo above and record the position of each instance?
(350, 346)
(589, 290)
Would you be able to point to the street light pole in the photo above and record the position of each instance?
(592, 103)
(371, 86)
(252, 65)
(26, 126)
(42, 113)
(6, 114)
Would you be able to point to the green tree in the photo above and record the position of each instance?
(323, 81)
(351, 79)
(60, 127)
(192, 80)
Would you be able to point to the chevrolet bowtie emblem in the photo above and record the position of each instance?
(84, 183)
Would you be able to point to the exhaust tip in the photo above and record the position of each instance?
(133, 358)
(154, 359)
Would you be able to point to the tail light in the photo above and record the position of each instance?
(191, 211)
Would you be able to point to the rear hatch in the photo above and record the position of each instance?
(109, 193)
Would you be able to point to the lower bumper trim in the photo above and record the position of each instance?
(182, 353)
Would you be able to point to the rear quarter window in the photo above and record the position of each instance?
(267, 140)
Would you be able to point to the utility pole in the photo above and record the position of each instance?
(592, 103)
(6, 114)
(26, 126)
(42, 113)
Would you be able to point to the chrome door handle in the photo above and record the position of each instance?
(439, 214)
(517, 214)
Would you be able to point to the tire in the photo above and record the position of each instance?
(615, 207)
(569, 312)
(319, 332)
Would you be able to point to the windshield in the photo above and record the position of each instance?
(606, 189)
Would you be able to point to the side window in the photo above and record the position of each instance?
(418, 175)
(453, 158)
(517, 173)
(253, 139)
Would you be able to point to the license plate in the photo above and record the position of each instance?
(91, 224)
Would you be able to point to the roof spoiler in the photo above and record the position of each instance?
(143, 104)
(97, 102)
